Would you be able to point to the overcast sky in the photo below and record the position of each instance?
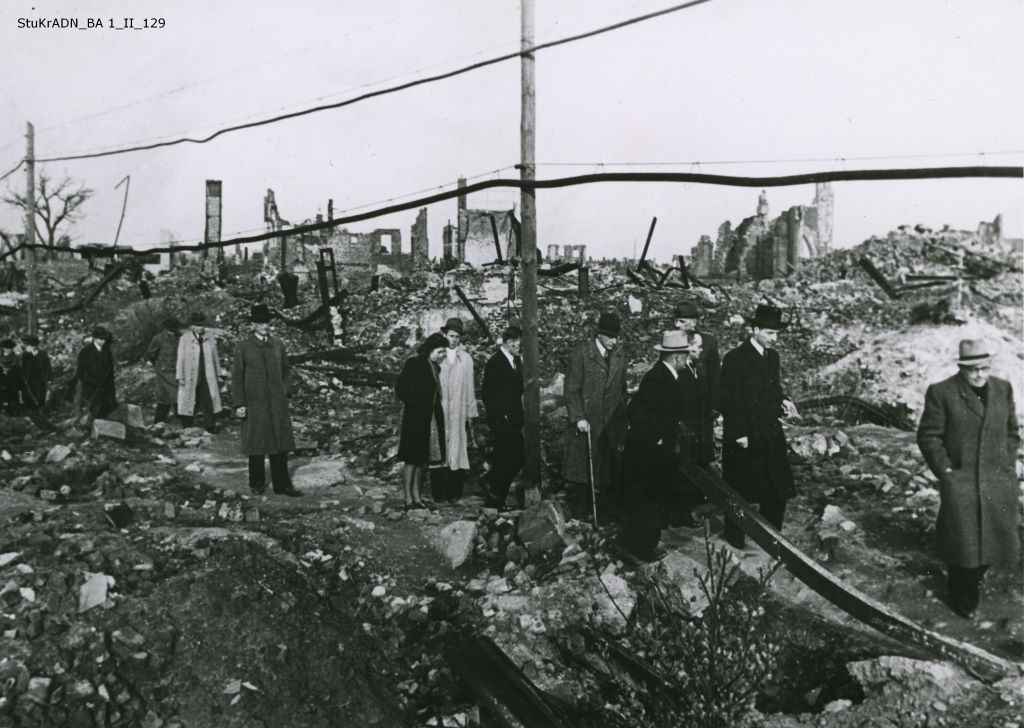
(731, 80)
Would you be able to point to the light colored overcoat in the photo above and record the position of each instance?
(977, 443)
(187, 371)
(458, 399)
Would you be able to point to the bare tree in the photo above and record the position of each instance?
(56, 204)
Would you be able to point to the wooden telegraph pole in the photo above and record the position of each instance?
(30, 226)
(528, 286)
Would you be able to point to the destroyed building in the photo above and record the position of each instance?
(358, 255)
(481, 236)
(760, 247)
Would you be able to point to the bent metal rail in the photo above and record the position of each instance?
(855, 603)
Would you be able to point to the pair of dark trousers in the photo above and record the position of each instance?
(773, 511)
(162, 412)
(203, 401)
(965, 587)
(446, 485)
(279, 477)
(506, 461)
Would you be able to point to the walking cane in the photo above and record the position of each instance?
(593, 488)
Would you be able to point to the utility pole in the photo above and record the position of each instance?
(528, 285)
(30, 225)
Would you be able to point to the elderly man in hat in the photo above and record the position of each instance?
(969, 437)
(502, 392)
(162, 353)
(707, 364)
(260, 380)
(38, 371)
(595, 400)
(653, 451)
(458, 400)
(197, 371)
(755, 459)
(12, 380)
(94, 371)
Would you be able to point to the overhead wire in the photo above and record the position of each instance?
(12, 171)
(389, 90)
(799, 160)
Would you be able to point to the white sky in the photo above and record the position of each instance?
(729, 80)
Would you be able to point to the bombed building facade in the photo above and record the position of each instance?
(761, 247)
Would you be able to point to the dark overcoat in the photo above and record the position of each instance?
(977, 522)
(595, 391)
(419, 390)
(260, 380)
(502, 392)
(12, 388)
(751, 401)
(709, 366)
(698, 426)
(162, 353)
(651, 457)
(38, 373)
(95, 371)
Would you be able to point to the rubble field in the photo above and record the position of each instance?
(142, 585)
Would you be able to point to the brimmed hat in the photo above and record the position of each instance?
(259, 314)
(768, 317)
(454, 324)
(100, 333)
(609, 324)
(686, 310)
(31, 340)
(673, 341)
(973, 353)
(196, 318)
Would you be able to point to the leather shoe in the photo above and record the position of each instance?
(258, 491)
(291, 493)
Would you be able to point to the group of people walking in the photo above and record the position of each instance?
(24, 378)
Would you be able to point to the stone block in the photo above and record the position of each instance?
(542, 528)
(133, 416)
(108, 428)
(321, 473)
(456, 542)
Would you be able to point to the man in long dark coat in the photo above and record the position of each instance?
(708, 363)
(969, 437)
(162, 353)
(260, 378)
(95, 371)
(503, 404)
(595, 400)
(652, 453)
(12, 380)
(755, 458)
(35, 365)
(698, 438)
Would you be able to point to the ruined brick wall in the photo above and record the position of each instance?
(824, 209)
(476, 235)
(702, 257)
(420, 242)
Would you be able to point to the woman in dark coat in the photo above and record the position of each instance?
(421, 441)
(95, 372)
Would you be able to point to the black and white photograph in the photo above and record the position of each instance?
(511, 364)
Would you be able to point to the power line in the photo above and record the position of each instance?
(862, 175)
(390, 90)
(16, 168)
(697, 163)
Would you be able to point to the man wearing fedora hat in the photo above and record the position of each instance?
(260, 379)
(162, 353)
(755, 455)
(35, 363)
(94, 371)
(969, 437)
(198, 373)
(458, 401)
(708, 364)
(651, 458)
(595, 400)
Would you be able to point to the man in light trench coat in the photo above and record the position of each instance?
(260, 380)
(198, 373)
(458, 399)
(969, 437)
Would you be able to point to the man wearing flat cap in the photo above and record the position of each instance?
(198, 373)
(94, 370)
(458, 400)
(35, 364)
(260, 380)
(162, 353)
(969, 437)
(595, 400)
(651, 459)
(755, 455)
